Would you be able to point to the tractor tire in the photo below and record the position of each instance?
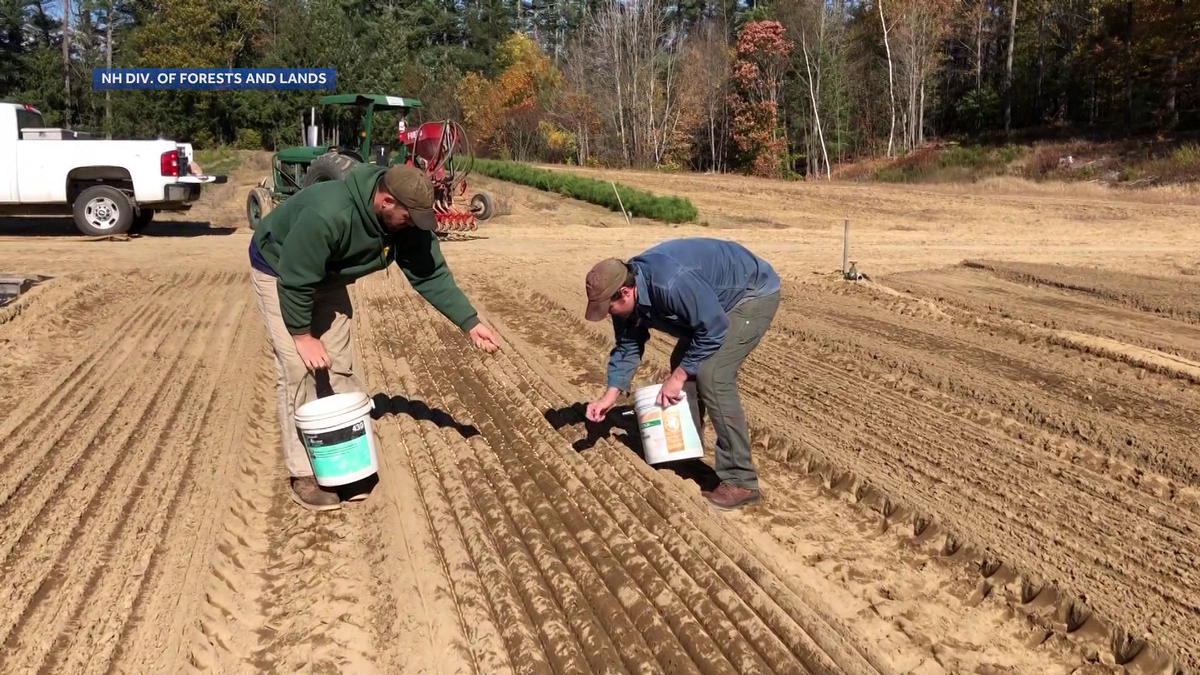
(141, 220)
(101, 210)
(481, 204)
(330, 166)
(258, 205)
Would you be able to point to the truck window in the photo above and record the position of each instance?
(27, 119)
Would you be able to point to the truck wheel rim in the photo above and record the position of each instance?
(102, 213)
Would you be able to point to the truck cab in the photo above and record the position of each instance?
(108, 186)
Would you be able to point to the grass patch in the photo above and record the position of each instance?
(221, 159)
(636, 202)
(1132, 163)
(950, 164)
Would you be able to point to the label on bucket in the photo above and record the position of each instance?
(339, 452)
(673, 430)
(671, 439)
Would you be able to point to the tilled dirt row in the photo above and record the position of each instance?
(573, 564)
(1058, 307)
(982, 434)
(103, 464)
(1173, 297)
(284, 589)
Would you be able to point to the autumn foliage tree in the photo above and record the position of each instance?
(509, 113)
(758, 73)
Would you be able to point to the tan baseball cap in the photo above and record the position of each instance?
(412, 188)
(602, 282)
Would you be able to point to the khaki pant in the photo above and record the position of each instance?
(332, 322)
(714, 389)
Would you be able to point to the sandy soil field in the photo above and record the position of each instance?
(982, 459)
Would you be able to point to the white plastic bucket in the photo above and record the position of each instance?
(337, 434)
(668, 434)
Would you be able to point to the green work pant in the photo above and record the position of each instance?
(714, 388)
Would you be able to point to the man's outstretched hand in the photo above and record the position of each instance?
(598, 409)
(484, 338)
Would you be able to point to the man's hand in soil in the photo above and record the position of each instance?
(596, 410)
(484, 338)
(311, 351)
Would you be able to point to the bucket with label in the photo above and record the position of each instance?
(668, 434)
(336, 431)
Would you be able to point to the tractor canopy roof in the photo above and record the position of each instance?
(381, 101)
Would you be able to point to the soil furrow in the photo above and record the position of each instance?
(144, 517)
(170, 596)
(1039, 496)
(659, 635)
(982, 294)
(231, 626)
(581, 503)
(519, 444)
(560, 642)
(641, 612)
(98, 523)
(446, 496)
(1118, 414)
(314, 571)
(567, 533)
(1175, 297)
(71, 505)
(801, 643)
(66, 381)
(41, 447)
(404, 531)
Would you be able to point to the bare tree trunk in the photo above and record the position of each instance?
(891, 83)
(1012, 43)
(921, 118)
(1173, 79)
(1129, 65)
(979, 48)
(614, 30)
(1041, 60)
(812, 94)
(712, 140)
(66, 54)
(108, 63)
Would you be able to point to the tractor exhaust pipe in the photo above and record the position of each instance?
(311, 137)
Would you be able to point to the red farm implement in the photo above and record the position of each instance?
(434, 147)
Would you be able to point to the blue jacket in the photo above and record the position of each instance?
(686, 288)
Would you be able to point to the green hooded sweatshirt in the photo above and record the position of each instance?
(328, 235)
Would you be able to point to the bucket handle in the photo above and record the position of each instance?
(308, 373)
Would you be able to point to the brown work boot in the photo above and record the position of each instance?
(313, 497)
(729, 496)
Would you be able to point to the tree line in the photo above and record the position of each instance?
(775, 88)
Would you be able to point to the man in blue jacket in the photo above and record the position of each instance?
(718, 299)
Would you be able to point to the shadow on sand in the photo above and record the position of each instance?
(621, 425)
(60, 226)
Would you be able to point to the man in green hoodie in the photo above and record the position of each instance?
(303, 256)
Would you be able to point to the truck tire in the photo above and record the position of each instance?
(101, 210)
(141, 220)
(330, 166)
(258, 205)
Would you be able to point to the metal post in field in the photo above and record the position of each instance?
(845, 247)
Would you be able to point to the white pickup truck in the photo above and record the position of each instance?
(110, 187)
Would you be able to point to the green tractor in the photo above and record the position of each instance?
(328, 155)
